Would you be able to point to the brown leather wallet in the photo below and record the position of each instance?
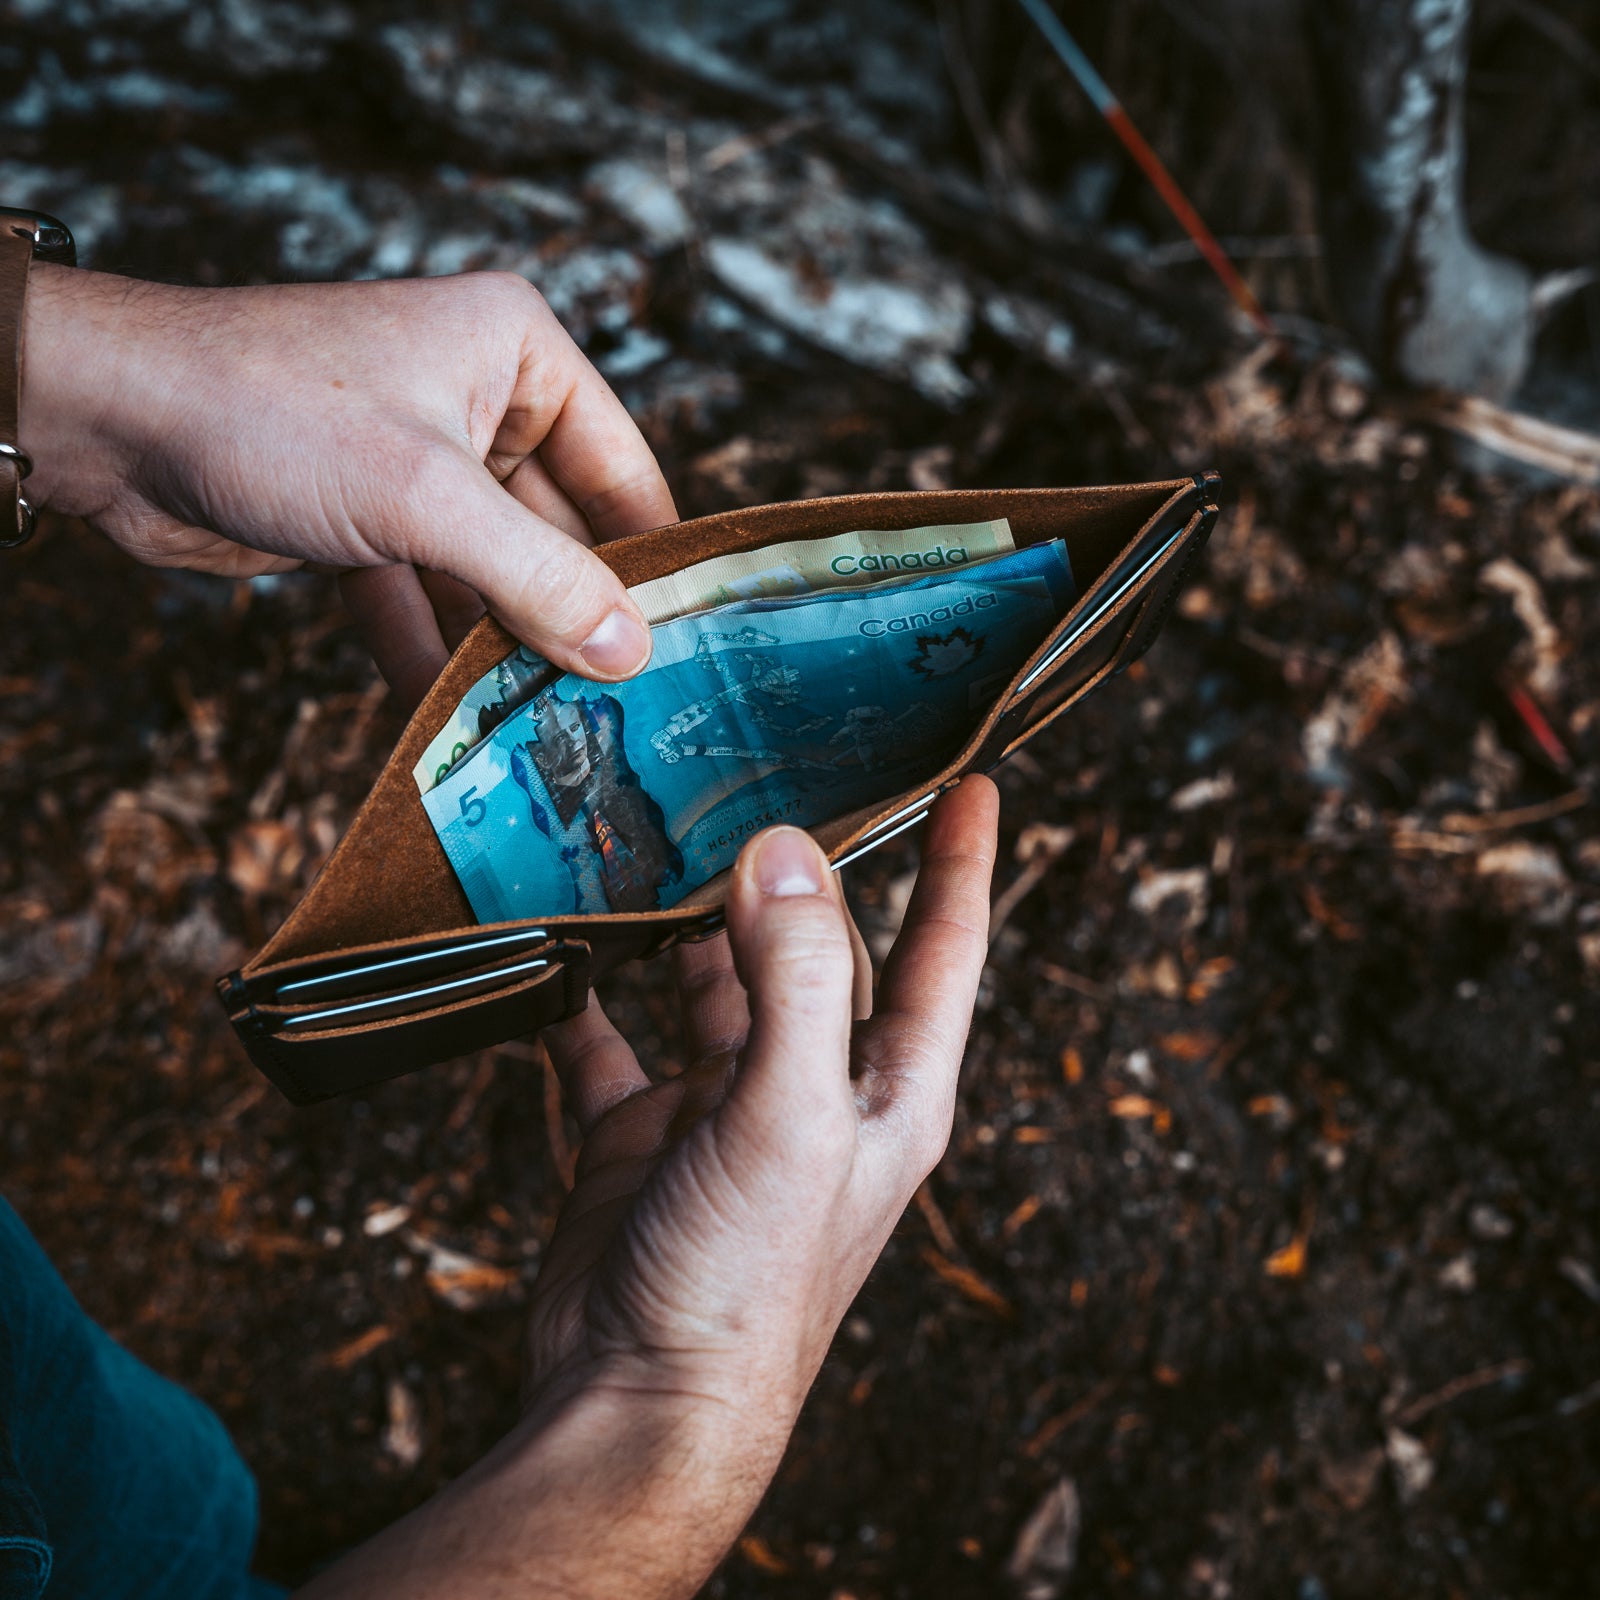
(380, 969)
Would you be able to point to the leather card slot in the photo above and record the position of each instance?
(369, 1010)
(347, 979)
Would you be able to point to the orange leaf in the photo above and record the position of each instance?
(1189, 1046)
(760, 1554)
(1133, 1106)
(1211, 974)
(1290, 1261)
(1071, 1065)
(1269, 1105)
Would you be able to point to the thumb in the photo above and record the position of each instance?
(548, 590)
(791, 943)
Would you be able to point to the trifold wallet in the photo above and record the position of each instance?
(381, 968)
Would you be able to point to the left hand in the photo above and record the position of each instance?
(722, 1220)
(721, 1223)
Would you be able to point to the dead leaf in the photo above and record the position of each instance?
(402, 1438)
(1178, 899)
(385, 1219)
(1413, 1466)
(1275, 1107)
(1290, 1261)
(264, 858)
(1351, 1479)
(134, 846)
(1188, 1046)
(460, 1280)
(1046, 1550)
(760, 1555)
(1208, 976)
(1133, 1106)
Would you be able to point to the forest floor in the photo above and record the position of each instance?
(1270, 1225)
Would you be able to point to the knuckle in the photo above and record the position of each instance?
(509, 291)
(623, 489)
(562, 584)
(811, 951)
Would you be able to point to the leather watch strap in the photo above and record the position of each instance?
(24, 236)
(16, 256)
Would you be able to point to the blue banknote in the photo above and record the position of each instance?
(625, 797)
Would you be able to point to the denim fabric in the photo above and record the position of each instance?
(113, 1482)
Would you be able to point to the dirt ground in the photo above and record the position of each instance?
(1265, 1258)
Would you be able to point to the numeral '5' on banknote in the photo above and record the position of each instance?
(802, 566)
(625, 797)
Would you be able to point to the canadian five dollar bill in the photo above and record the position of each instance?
(773, 572)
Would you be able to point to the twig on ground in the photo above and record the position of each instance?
(1566, 452)
(1465, 1384)
(1052, 1429)
(938, 1226)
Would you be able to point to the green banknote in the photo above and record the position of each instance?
(774, 572)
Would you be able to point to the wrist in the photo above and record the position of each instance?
(670, 1474)
(605, 1488)
(82, 377)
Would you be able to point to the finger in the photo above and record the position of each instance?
(548, 590)
(716, 1016)
(791, 945)
(930, 981)
(591, 446)
(595, 1064)
(861, 985)
(396, 621)
(158, 540)
(530, 482)
(455, 606)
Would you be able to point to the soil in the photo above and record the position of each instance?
(1270, 1219)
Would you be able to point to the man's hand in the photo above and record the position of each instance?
(435, 440)
(720, 1225)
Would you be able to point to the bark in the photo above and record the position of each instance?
(1428, 305)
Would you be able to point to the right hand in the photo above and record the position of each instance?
(433, 440)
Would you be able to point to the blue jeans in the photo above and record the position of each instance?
(113, 1481)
